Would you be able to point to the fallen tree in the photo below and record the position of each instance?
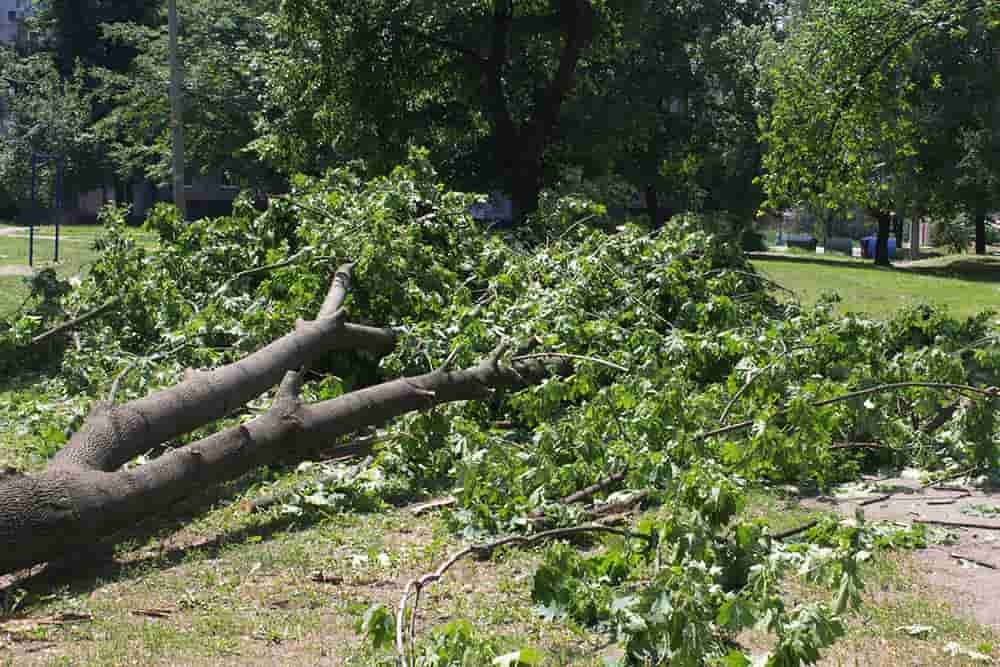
(87, 492)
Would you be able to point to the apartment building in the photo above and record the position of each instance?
(12, 13)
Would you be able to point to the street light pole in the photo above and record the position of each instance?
(176, 113)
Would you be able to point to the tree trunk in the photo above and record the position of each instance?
(652, 206)
(884, 219)
(84, 494)
(526, 189)
(979, 218)
(915, 237)
(521, 147)
(897, 229)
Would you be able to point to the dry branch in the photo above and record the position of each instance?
(792, 532)
(406, 633)
(959, 524)
(976, 561)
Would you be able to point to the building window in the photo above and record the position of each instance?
(12, 16)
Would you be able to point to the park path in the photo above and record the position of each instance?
(902, 500)
(16, 270)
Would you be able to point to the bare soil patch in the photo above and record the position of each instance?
(970, 580)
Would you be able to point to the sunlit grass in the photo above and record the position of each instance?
(865, 288)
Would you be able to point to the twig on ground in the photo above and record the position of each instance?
(423, 508)
(406, 633)
(609, 509)
(959, 524)
(585, 494)
(792, 532)
(970, 559)
(589, 492)
(950, 501)
(946, 487)
(876, 499)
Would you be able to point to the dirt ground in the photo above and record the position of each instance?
(967, 562)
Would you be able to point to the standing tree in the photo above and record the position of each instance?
(45, 114)
(219, 45)
(76, 29)
(484, 85)
(680, 108)
(851, 117)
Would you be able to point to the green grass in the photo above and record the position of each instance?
(864, 288)
(229, 587)
(76, 251)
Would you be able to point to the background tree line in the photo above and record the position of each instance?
(723, 106)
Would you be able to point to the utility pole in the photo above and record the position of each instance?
(176, 112)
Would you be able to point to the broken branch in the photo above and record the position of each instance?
(75, 322)
(405, 634)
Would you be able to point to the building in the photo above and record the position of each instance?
(12, 14)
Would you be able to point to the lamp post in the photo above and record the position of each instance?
(176, 113)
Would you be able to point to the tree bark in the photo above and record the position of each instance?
(979, 218)
(84, 494)
(521, 147)
(652, 206)
(915, 237)
(897, 229)
(884, 219)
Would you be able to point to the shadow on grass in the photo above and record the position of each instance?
(969, 270)
(83, 573)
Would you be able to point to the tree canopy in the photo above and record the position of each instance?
(864, 105)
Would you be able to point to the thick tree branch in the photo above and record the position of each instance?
(84, 495)
(113, 435)
(577, 18)
(65, 508)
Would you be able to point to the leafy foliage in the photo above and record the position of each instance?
(679, 309)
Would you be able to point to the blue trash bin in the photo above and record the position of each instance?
(870, 243)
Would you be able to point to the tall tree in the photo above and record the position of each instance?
(673, 109)
(851, 118)
(484, 85)
(76, 29)
(44, 114)
(220, 44)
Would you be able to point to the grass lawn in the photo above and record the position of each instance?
(230, 587)
(965, 285)
(75, 253)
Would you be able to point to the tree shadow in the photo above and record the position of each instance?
(85, 572)
(969, 270)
